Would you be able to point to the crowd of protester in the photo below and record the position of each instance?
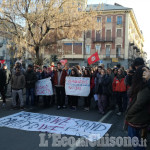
(110, 88)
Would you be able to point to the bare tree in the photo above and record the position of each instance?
(35, 24)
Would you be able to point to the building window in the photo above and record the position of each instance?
(118, 51)
(118, 32)
(88, 34)
(98, 19)
(98, 35)
(108, 19)
(119, 20)
(98, 48)
(108, 35)
(88, 49)
(107, 50)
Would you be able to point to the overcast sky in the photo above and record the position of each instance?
(142, 11)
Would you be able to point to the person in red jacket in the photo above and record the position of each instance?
(121, 91)
(59, 83)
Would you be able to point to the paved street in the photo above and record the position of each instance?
(12, 139)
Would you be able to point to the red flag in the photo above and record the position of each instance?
(2, 61)
(94, 58)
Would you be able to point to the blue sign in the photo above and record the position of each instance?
(101, 61)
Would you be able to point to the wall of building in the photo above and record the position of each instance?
(116, 40)
(75, 51)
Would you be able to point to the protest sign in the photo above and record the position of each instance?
(55, 124)
(44, 87)
(77, 86)
(63, 62)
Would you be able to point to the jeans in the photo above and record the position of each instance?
(5, 89)
(28, 93)
(74, 100)
(20, 94)
(87, 100)
(135, 132)
(3, 94)
(112, 101)
(46, 101)
(102, 103)
(60, 93)
(122, 101)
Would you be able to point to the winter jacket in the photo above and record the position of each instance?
(119, 85)
(112, 76)
(92, 84)
(18, 81)
(31, 79)
(97, 77)
(128, 80)
(38, 75)
(62, 79)
(8, 75)
(45, 75)
(138, 112)
(104, 85)
(2, 78)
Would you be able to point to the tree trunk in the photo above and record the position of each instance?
(37, 50)
(38, 59)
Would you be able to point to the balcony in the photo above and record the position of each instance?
(73, 56)
(103, 40)
(110, 56)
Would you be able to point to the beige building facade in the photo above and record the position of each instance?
(118, 40)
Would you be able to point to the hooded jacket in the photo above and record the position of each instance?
(2, 78)
(119, 85)
(31, 79)
(138, 112)
(18, 81)
(62, 78)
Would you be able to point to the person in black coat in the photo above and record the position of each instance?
(135, 65)
(2, 85)
(103, 91)
(39, 77)
(31, 79)
(8, 77)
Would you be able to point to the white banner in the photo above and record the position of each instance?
(55, 124)
(44, 87)
(77, 86)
